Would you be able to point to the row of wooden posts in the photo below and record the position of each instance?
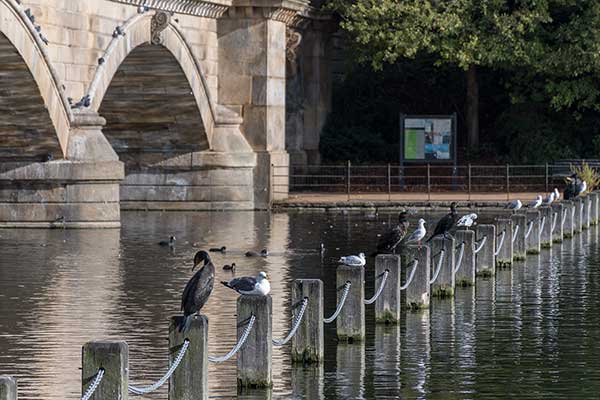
(427, 271)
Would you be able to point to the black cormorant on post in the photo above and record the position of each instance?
(197, 290)
(392, 238)
(446, 223)
(575, 187)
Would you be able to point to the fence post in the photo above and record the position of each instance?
(254, 358)
(533, 240)
(444, 283)
(465, 275)
(469, 181)
(389, 181)
(569, 226)
(485, 259)
(416, 296)
(546, 233)
(350, 324)
(387, 305)
(594, 216)
(428, 182)
(190, 379)
(578, 220)
(587, 208)
(348, 179)
(519, 246)
(504, 258)
(8, 388)
(507, 181)
(113, 357)
(557, 233)
(307, 343)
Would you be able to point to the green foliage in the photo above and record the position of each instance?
(588, 174)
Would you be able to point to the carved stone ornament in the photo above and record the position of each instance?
(160, 22)
(294, 38)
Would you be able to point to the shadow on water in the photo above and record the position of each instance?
(529, 332)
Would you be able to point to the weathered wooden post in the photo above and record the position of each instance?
(308, 344)
(443, 251)
(465, 274)
(387, 305)
(569, 225)
(594, 212)
(578, 221)
(8, 388)
(484, 256)
(350, 324)
(559, 213)
(113, 358)
(519, 244)
(587, 210)
(546, 232)
(190, 379)
(254, 358)
(504, 234)
(416, 295)
(534, 222)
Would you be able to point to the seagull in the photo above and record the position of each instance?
(514, 205)
(263, 253)
(248, 285)
(170, 243)
(535, 203)
(197, 290)
(581, 188)
(392, 238)
(556, 194)
(229, 267)
(418, 234)
(354, 261)
(446, 223)
(467, 220)
(221, 249)
(550, 198)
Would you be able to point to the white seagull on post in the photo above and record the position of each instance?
(354, 261)
(418, 234)
(467, 220)
(536, 203)
(514, 205)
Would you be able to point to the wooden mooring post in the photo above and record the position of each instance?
(190, 379)
(547, 214)
(465, 274)
(442, 250)
(578, 220)
(587, 212)
(416, 296)
(254, 367)
(504, 249)
(519, 244)
(308, 343)
(8, 388)
(113, 358)
(558, 210)
(484, 258)
(534, 222)
(595, 196)
(350, 324)
(388, 304)
(569, 225)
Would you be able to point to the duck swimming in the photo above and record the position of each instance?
(263, 253)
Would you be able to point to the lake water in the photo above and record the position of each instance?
(530, 333)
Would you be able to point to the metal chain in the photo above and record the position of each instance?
(439, 267)
(478, 249)
(92, 388)
(295, 326)
(497, 251)
(460, 257)
(412, 275)
(340, 304)
(165, 378)
(554, 221)
(238, 346)
(530, 224)
(514, 237)
(380, 290)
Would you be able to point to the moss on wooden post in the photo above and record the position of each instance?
(350, 323)
(387, 305)
(190, 379)
(308, 343)
(254, 358)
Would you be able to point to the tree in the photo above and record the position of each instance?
(465, 33)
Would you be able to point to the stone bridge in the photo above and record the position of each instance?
(154, 104)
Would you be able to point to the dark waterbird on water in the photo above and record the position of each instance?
(170, 242)
(228, 267)
(446, 223)
(392, 238)
(221, 249)
(197, 290)
(263, 253)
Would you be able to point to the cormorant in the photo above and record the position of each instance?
(170, 243)
(263, 253)
(248, 285)
(197, 290)
(229, 267)
(446, 223)
(221, 249)
(392, 238)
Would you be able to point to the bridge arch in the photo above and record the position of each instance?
(18, 35)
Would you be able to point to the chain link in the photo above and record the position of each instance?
(238, 346)
(340, 304)
(380, 290)
(92, 388)
(296, 325)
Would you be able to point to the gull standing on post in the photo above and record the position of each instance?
(354, 261)
(197, 290)
(536, 203)
(248, 285)
(550, 198)
(556, 194)
(467, 220)
(514, 205)
(418, 234)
